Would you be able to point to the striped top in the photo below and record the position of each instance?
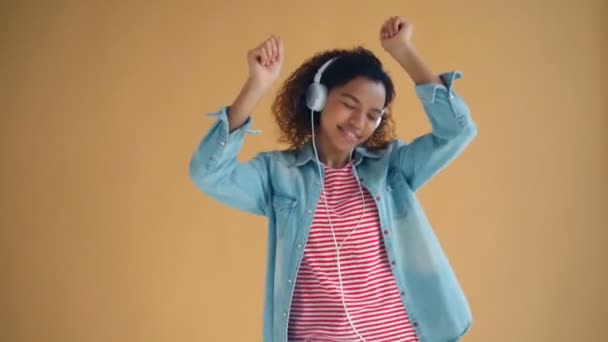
(371, 293)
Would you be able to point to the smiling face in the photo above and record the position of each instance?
(350, 115)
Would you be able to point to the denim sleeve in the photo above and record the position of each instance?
(452, 130)
(215, 170)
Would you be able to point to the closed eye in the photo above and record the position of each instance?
(349, 106)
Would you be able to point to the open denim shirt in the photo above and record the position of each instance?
(284, 186)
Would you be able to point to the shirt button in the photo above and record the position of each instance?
(393, 262)
(289, 281)
(402, 293)
(299, 245)
(415, 324)
(309, 211)
(222, 142)
(284, 313)
(385, 232)
(378, 198)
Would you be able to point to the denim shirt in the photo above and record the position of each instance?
(284, 186)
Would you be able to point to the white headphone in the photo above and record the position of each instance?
(316, 94)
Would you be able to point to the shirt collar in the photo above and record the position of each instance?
(307, 153)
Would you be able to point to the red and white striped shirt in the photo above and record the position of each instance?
(371, 293)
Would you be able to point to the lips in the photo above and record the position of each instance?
(349, 135)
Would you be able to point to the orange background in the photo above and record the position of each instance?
(104, 237)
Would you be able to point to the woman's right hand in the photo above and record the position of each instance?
(265, 61)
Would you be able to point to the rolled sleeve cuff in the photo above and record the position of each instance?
(220, 144)
(222, 121)
(428, 92)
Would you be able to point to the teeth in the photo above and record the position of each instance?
(350, 133)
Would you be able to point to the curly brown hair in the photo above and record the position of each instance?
(289, 107)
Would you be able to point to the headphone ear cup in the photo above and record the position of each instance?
(378, 121)
(316, 95)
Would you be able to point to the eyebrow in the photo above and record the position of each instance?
(352, 97)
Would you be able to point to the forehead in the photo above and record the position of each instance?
(368, 92)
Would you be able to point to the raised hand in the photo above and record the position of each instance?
(265, 61)
(396, 35)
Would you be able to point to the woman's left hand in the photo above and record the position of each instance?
(396, 35)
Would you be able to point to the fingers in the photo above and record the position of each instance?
(391, 27)
(385, 31)
(263, 55)
(281, 49)
(396, 23)
(275, 49)
(269, 51)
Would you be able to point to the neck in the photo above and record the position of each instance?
(333, 158)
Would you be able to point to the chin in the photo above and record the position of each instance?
(342, 145)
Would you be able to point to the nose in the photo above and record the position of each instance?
(357, 119)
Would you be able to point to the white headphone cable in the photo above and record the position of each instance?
(338, 247)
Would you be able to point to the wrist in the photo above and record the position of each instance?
(248, 97)
(256, 86)
(413, 64)
(405, 54)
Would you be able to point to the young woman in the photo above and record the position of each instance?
(351, 255)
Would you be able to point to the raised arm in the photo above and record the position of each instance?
(264, 63)
(452, 126)
(214, 167)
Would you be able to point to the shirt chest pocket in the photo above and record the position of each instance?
(399, 193)
(284, 212)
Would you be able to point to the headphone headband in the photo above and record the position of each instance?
(319, 73)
